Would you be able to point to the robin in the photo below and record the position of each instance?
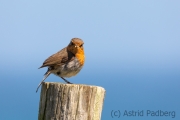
(67, 62)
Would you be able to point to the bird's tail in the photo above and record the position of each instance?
(45, 76)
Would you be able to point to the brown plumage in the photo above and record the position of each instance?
(58, 58)
(67, 62)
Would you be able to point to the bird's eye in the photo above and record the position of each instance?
(72, 43)
(81, 45)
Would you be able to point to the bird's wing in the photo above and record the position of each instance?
(58, 58)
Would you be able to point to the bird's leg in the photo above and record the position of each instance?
(66, 81)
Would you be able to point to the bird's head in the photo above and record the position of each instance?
(76, 45)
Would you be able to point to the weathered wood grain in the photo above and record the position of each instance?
(60, 101)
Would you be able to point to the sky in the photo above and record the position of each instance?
(131, 47)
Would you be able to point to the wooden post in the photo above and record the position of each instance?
(70, 102)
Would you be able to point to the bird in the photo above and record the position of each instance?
(67, 62)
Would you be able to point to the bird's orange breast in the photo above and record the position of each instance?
(80, 56)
